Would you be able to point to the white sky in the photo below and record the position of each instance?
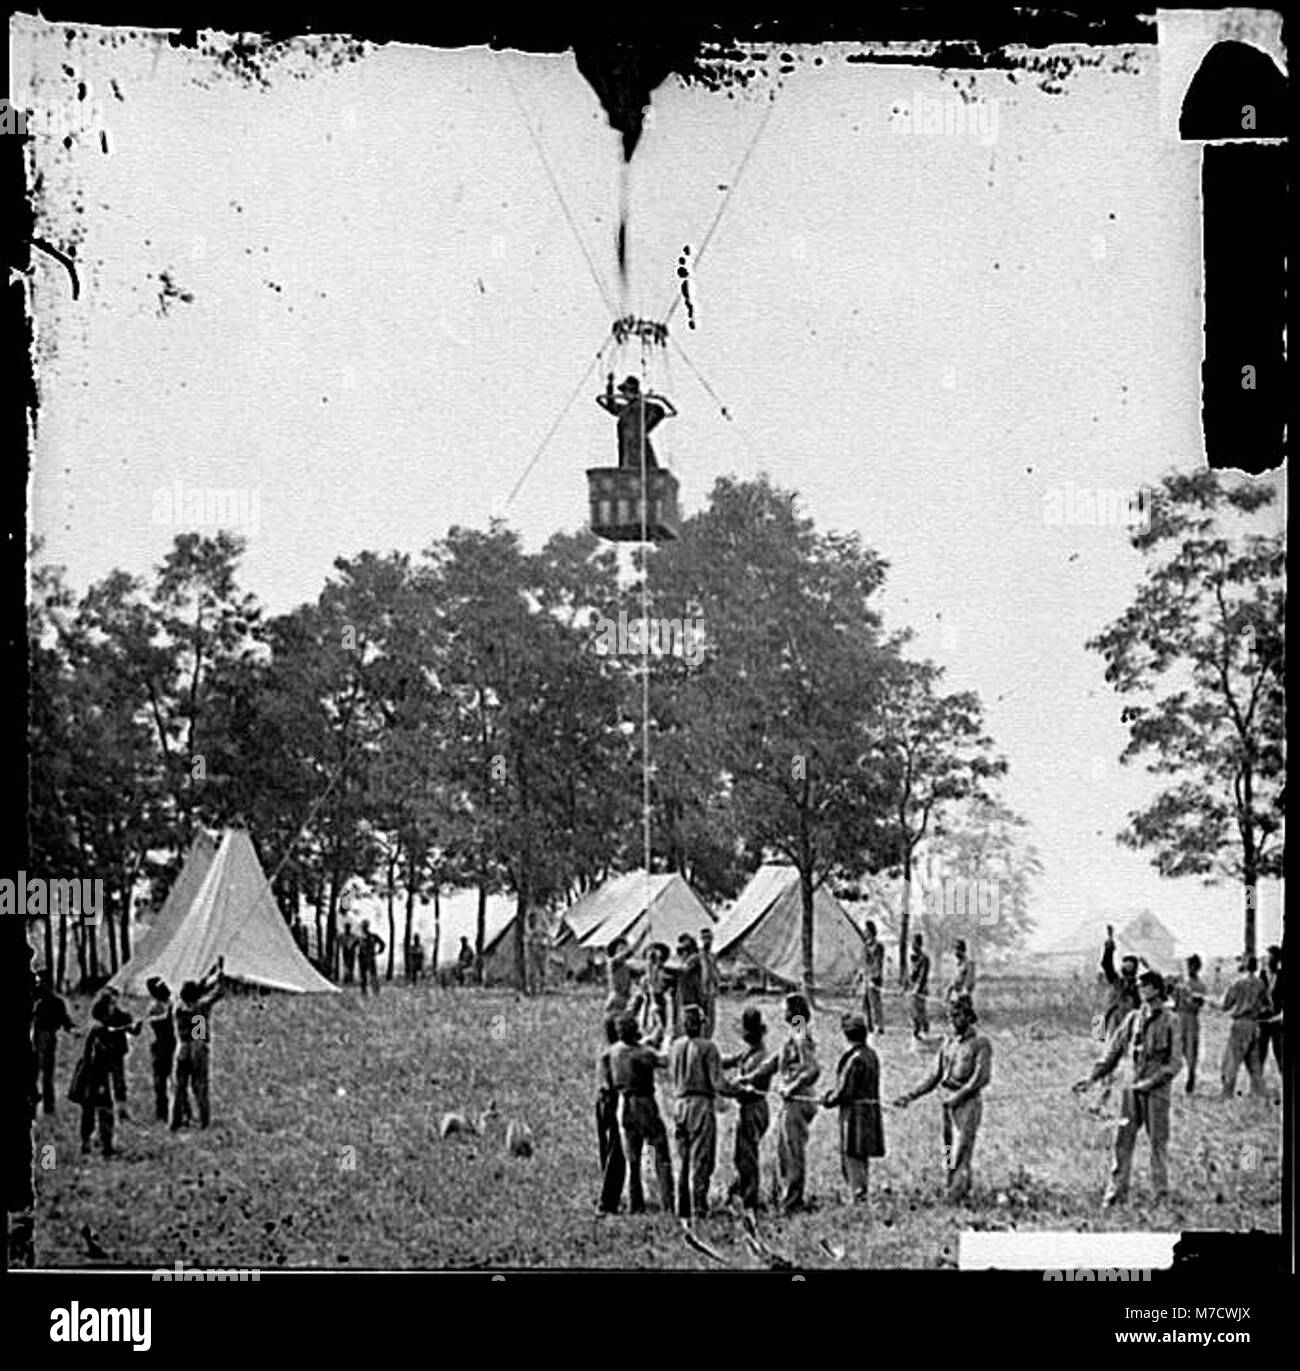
(922, 335)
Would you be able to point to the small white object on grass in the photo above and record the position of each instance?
(340, 1092)
(519, 1139)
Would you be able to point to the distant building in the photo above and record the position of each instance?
(1138, 935)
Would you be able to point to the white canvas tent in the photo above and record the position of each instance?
(231, 913)
(457, 918)
(151, 938)
(658, 910)
(763, 931)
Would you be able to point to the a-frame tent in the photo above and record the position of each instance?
(231, 914)
(630, 907)
(763, 931)
(458, 917)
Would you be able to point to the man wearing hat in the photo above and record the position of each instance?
(695, 1069)
(632, 1067)
(193, 1041)
(798, 1071)
(1147, 1043)
(1246, 1002)
(857, 1096)
(1188, 996)
(919, 985)
(638, 416)
(963, 1067)
(755, 1067)
(162, 1050)
(49, 1018)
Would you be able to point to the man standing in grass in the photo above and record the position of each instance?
(632, 1067)
(695, 1069)
(1270, 1028)
(162, 1050)
(92, 1081)
(348, 950)
(613, 1167)
(798, 1070)
(755, 1067)
(689, 980)
(1247, 1003)
(369, 946)
(194, 1040)
(963, 1067)
(873, 969)
(919, 985)
(857, 1096)
(49, 1018)
(619, 974)
(1146, 1042)
(1123, 997)
(1189, 996)
(963, 978)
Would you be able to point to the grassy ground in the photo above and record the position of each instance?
(324, 1149)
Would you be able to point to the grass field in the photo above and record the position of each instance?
(324, 1149)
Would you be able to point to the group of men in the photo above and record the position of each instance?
(918, 980)
(678, 1002)
(1152, 1030)
(360, 954)
(179, 1051)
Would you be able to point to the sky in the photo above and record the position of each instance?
(354, 293)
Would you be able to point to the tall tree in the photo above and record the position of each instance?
(1198, 656)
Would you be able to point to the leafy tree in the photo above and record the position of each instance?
(1198, 656)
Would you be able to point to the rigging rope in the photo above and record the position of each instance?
(645, 637)
(559, 419)
(555, 185)
(726, 199)
(750, 445)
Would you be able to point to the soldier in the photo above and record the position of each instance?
(873, 965)
(695, 1068)
(710, 982)
(538, 947)
(464, 960)
(369, 946)
(49, 1016)
(963, 1067)
(1270, 1029)
(92, 1081)
(162, 1050)
(416, 960)
(798, 1069)
(613, 1167)
(963, 979)
(1247, 1002)
(857, 1096)
(688, 981)
(193, 1041)
(1123, 996)
(118, 1045)
(348, 948)
(1189, 996)
(1147, 1042)
(654, 990)
(620, 971)
(632, 1067)
(919, 985)
(755, 1067)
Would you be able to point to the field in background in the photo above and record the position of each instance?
(324, 1150)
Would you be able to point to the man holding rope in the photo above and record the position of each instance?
(963, 1067)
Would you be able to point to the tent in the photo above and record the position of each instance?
(763, 931)
(457, 918)
(629, 906)
(1079, 951)
(223, 910)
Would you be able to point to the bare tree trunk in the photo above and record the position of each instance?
(392, 922)
(437, 930)
(126, 922)
(522, 978)
(480, 930)
(806, 933)
(410, 908)
(905, 917)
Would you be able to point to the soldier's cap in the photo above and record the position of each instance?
(686, 941)
(1154, 979)
(628, 1029)
(959, 945)
(855, 1027)
(100, 1010)
(156, 983)
(190, 991)
(751, 1024)
(630, 384)
(693, 1016)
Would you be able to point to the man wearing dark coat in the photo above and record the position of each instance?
(857, 1096)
